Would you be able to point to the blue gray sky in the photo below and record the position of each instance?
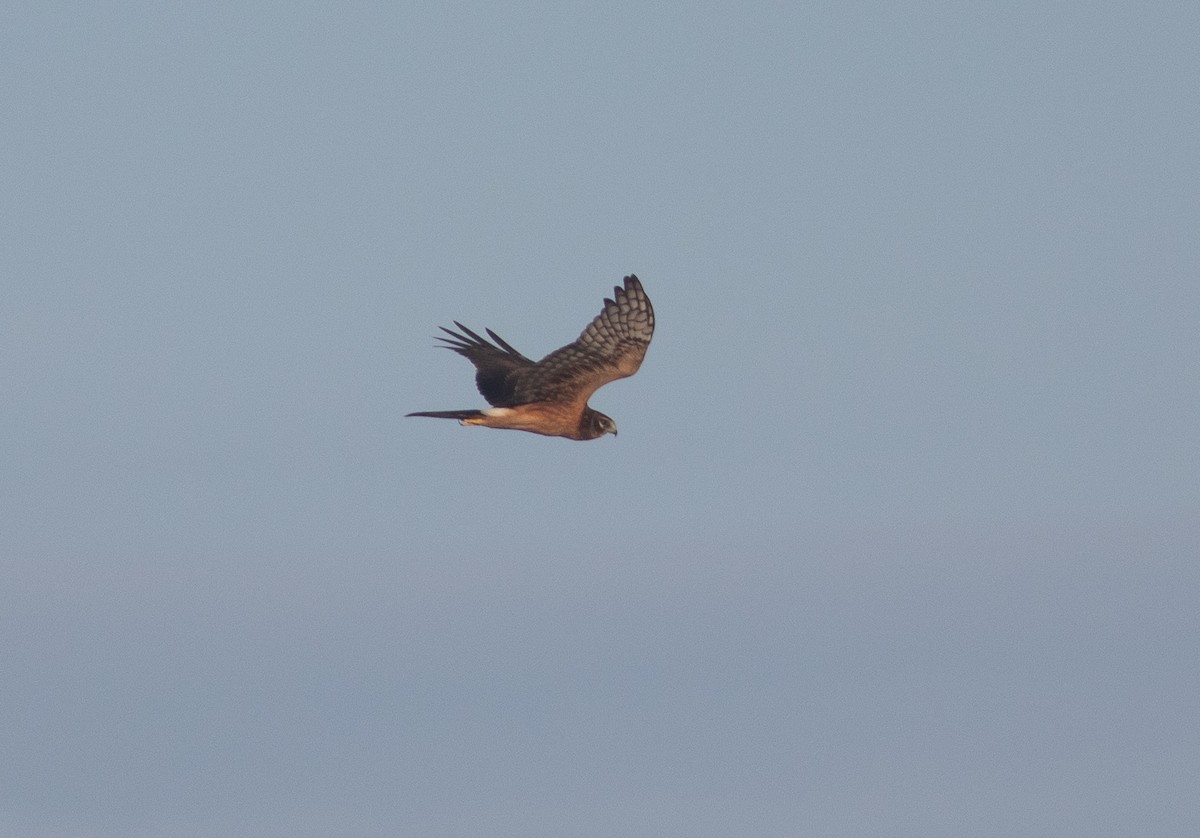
(900, 534)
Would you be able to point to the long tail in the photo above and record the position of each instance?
(449, 414)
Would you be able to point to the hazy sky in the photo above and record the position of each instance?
(900, 534)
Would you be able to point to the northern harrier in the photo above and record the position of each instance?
(550, 396)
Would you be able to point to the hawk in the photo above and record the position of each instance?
(550, 396)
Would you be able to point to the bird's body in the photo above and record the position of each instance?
(550, 396)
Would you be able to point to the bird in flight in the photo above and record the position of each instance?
(550, 396)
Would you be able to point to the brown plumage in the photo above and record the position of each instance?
(550, 396)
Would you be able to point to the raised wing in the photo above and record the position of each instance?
(498, 369)
(611, 347)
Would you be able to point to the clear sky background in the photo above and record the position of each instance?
(900, 534)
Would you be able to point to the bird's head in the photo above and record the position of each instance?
(595, 424)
